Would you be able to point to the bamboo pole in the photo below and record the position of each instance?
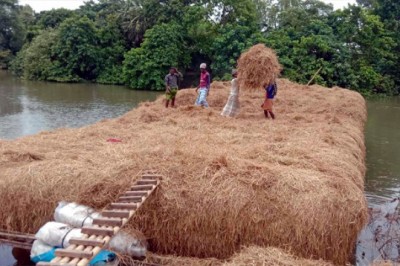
(313, 77)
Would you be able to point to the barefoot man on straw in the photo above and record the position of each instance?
(204, 87)
(171, 85)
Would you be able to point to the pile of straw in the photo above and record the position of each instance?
(295, 182)
(247, 257)
(257, 67)
(272, 257)
(181, 261)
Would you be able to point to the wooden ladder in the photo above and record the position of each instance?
(97, 236)
(16, 239)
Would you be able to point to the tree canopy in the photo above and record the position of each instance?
(134, 42)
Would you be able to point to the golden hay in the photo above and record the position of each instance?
(249, 256)
(295, 182)
(257, 67)
(254, 256)
(181, 261)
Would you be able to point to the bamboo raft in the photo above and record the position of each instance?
(97, 236)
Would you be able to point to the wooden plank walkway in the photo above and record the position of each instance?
(95, 237)
(16, 239)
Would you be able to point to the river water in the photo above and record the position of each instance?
(383, 150)
(380, 238)
(28, 107)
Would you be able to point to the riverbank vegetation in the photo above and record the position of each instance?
(134, 42)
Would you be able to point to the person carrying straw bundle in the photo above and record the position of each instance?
(232, 107)
(171, 85)
(204, 87)
(258, 68)
(270, 92)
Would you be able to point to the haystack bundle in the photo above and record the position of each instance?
(294, 183)
(257, 67)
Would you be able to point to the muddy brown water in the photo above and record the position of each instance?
(30, 107)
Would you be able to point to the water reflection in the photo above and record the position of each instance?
(28, 107)
(383, 150)
(10, 256)
(8, 95)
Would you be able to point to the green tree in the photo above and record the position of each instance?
(351, 46)
(199, 32)
(230, 42)
(233, 11)
(366, 3)
(28, 19)
(370, 46)
(53, 18)
(111, 51)
(357, 47)
(27, 15)
(389, 11)
(304, 41)
(163, 46)
(12, 32)
(77, 48)
(303, 52)
(140, 15)
(35, 61)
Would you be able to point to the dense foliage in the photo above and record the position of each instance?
(134, 42)
(163, 46)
